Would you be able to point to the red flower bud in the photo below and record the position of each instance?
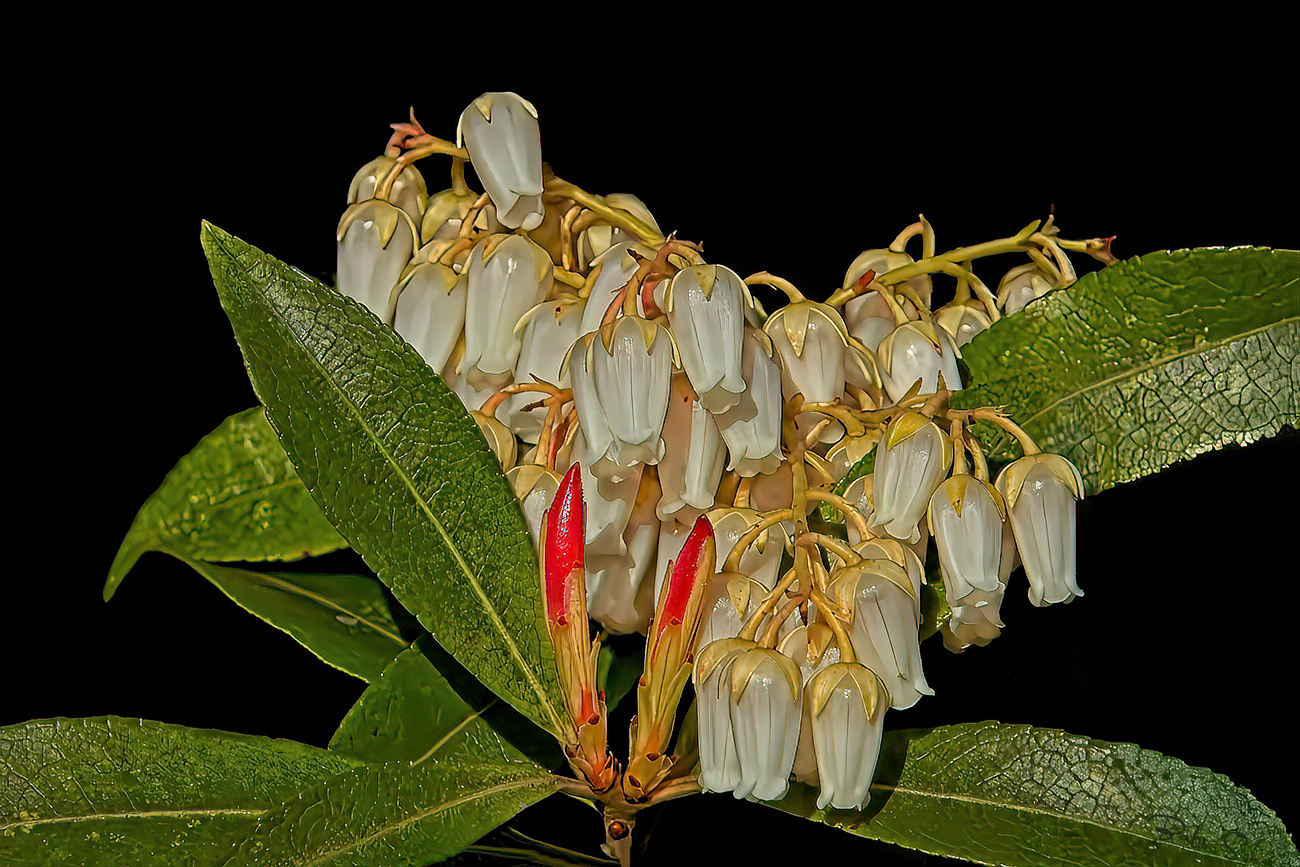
(565, 538)
(683, 578)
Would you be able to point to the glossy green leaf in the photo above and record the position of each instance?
(1153, 360)
(413, 713)
(235, 496)
(134, 793)
(395, 814)
(343, 619)
(398, 466)
(1020, 796)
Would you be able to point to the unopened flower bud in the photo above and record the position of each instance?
(847, 704)
(882, 262)
(507, 278)
(408, 191)
(446, 211)
(1041, 491)
(918, 351)
(500, 132)
(375, 243)
(706, 308)
(913, 457)
(966, 515)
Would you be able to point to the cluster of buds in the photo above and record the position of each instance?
(584, 341)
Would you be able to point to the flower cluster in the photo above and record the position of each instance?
(645, 394)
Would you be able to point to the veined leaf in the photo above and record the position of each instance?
(1153, 360)
(1020, 796)
(395, 814)
(235, 496)
(343, 619)
(134, 793)
(397, 465)
(412, 713)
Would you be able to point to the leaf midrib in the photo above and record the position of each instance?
(1039, 811)
(424, 507)
(1161, 361)
(133, 814)
(325, 857)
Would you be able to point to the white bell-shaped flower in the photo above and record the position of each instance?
(846, 454)
(430, 310)
(965, 516)
(810, 659)
(1041, 491)
(812, 341)
(767, 712)
(446, 212)
(869, 319)
(595, 240)
(976, 621)
(706, 309)
(690, 471)
(507, 277)
(375, 244)
(719, 760)
(913, 457)
(917, 351)
(761, 560)
(611, 271)
(1023, 284)
(847, 704)
(962, 322)
(535, 488)
(549, 331)
(408, 192)
(861, 494)
(499, 439)
(620, 589)
(886, 625)
(621, 377)
(752, 428)
(882, 262)
(729, 600)
(500, 132)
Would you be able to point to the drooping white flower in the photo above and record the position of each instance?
(609, 503)
(549, 331)
(500, 132)
(962, 322)
(752, 428)
(917, 351)
(812, 341)
(430, 310)
(729, 600)
(846, 453)
(612, 270)
(621, 378)
(719, 760)
(408, 192)
(620, 588)
(965, 516)
(1041, 491)
(882, 262)
(977, 621)
(535, 487)
(375, 243)
(595, 240)
(1023, 284)
(810, 659)
(869, 319)
(507, 278)
(446, 211)
(691, 469)
(706, 309)
(499, 439)
(913, 457)
(767, 711)
(886, 625)
(762, 560)
(847, 704)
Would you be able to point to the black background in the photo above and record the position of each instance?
(1184, 642)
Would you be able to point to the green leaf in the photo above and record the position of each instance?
(413, 713)
(1021, 796)
(862, 468)
(134, 793)
(235, 496)
(1153, 360)
(395, 814)
(398, 466)
(343, 619)
(618, 666)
